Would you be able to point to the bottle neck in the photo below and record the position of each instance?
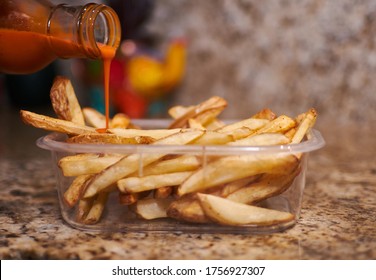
(81, 31)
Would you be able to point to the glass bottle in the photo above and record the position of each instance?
(34, 33)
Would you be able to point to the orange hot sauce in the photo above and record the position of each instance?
(107, 53)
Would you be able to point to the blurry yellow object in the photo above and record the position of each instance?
(150, 77)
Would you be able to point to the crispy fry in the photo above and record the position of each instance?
(178, 111)
(101, 138)
(230, 168)
(84, 206)
(280, 124)
(234, 186)
(214, 102)
(227, 212)
(84, 164)
(154, 133)
(96, 209)
(262, 140)
(64, 101)
(266, 114)
(53, 124)
(94, 118)
(193, 123)
(75, 190)
(152, 182)
(120, 121)
(250, 123)
(187, 209)
(176, 164)
(269, 185)
(152, 208)
(214, 138)
(130, 164)
(306, 123)
(163, 192)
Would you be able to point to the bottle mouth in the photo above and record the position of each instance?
(100, 26)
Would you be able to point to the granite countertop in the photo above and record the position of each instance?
(337, 219)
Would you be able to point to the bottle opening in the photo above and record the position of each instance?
(100, 27)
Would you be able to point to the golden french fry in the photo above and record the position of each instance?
(227, 212)
(152, 208)
(214, 102)
(75, 190)
(151, 182)
(154, 133)
(230, 168)
(94, 118)
(234, 186)
(214, 124)
(193, 123)
(163, 192)
(176, 164)
(266, 114)
(102, 138)
(269, 185)
(280, 124)
(64, 101)
(240, 133)
(53, 124)
(96, 209)
(120, 120)
(305, 124)
(83, 208)
(290, 133)
(187, 209)
(250, 123)
(90, 164)
(262, 140)
(206, 117)
(132, 163)
(214, 138)
(178, 111)
(131, 198)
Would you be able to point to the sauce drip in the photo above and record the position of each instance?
(107, 53)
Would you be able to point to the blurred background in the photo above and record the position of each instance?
(286, 55)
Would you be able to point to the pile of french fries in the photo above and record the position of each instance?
(222, 189)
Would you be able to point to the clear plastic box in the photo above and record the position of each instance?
(120, 218)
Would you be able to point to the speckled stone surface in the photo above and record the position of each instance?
(337, 220)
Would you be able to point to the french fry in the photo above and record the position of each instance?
(178, 111)
(152, 208)
(264, 139)
(176, 164)
(120, 121)
(64, 101)
(152, 182)
(131, 198)
(227, 212)
(266, 114)
(130, 164)
(280, 124)
(214, 124)
(250, 123)
(212, 103)
(83, 208)
(214, 138)
(230, 168)
(96, 209)
(94, 118)
(269, 185)
(53, 124)
(101, 138)
(90, 164)
(192, 123)
(188, 209)
(234, 186)
(306, 123)
(73, 194)
(154, 133)
(163, 192)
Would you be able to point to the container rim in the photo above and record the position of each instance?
(55, 142)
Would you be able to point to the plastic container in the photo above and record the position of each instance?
(120, 218)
